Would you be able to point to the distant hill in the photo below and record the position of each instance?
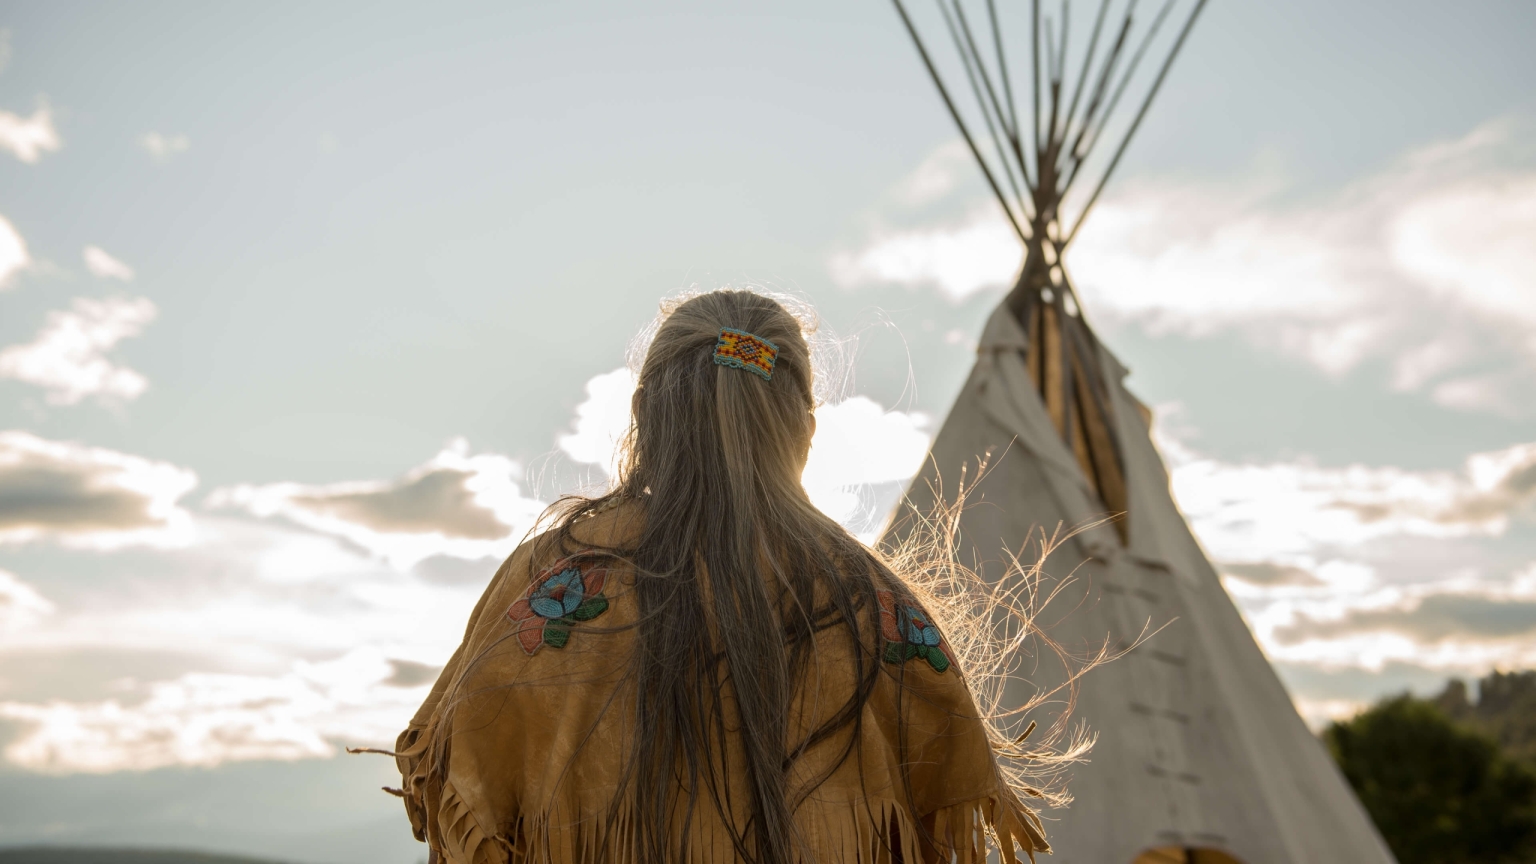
(108, 855)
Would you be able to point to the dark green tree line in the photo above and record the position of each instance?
(1440, 791)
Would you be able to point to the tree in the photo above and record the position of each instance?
(1437, 791)
(1505, 710)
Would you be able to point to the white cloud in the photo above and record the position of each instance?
(20, 604)
(88, 496)
(1271, 511)
(960, 259)
(247, 596)
(938, 175)
(456, 504)
(1323, 562)
(1427, 265)
(28, 138)
(1199, 260)
(68, 356)
(13, 253)
(602, 420)
(104, 266)
(163, 147)
(284, 644)
(1318, 713)
(858, 444)
(254, 598)
(1462, 624)
(248, 606)
(208, 719)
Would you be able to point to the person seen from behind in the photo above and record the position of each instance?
(701, 666)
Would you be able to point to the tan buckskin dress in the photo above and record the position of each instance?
(516, 755)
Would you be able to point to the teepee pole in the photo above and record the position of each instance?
(955, 114)
(971, 60)
(1013, 111)
(1117, 90)
(1136, 123)
(1034, 30)
(1101, 88)
(1082, 77)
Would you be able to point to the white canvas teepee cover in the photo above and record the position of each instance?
(1199, 747)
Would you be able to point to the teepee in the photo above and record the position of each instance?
(1201, 756)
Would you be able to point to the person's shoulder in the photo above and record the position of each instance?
(616, 524)
(612, 525)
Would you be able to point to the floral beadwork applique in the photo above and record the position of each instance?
(568, 592)
(908, 632)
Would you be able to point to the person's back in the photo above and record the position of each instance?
(701, 666)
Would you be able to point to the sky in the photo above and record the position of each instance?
(305, 312)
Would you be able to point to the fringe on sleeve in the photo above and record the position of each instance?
(962, 830)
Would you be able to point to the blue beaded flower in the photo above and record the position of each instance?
(566, 593)
(908, 633)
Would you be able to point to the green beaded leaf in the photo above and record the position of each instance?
(898, 652)
(557, 632)
(935, 658)
(591, 608)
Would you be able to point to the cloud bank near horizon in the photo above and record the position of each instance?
(317, 613)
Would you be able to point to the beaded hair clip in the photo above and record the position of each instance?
(742, 350)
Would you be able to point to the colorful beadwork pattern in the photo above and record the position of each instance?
(566, 593)
(742, 350)
(909, 633)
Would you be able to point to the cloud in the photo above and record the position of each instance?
(67, 358)
(1269, 573)
(1472, 241)
(938, 175)
(28, 138)
(377, 576)
(163, 147)
(602, 420)
(104, 266)
(87, 496)
(1466, 623)
(1426, 265)
(977, 253)
(13, 253)
(271, 647)
(1278, 510)
(1434, 618)
(20, 604)
(239, 595)
(456, 504)
(408, 673)
(1361, 566)
(209, 719)
(1318, 713)
(449, 570)
(252, 641)
(858, 444)
(434, 500)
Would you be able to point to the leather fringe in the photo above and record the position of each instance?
(864, 832)
(867, 831)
